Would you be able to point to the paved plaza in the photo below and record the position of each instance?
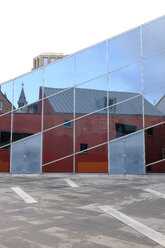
(95, 211)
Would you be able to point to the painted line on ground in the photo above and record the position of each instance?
(141, 228)
(27, 198)
(154, 192)
(71, 183)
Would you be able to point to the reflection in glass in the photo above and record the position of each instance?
(26, 121)
(126, 80)
(5, 129)
(91, 63)
(153, 37)
(57, 143)
(126, 154)
(6, 97)
(91, 96)
(126, 117)
(63, 165)
(28, 88)
(124, 49)
(91, 130)
(155, 149)
(154, 72)
(154, 107)
(5, 158)
(57, 108)
(60, 74)
(93, 161)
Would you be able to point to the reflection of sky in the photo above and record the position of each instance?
(154, 72)
(91, 63)
(60, 74)
(97, 84)
(32, 83)
(154, 97)
(127, 79)
(124, 50)
(153, 37)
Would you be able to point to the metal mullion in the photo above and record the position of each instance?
(142, 78)
(74, 116)
(108, 122)
(42, 119)
(11, 129)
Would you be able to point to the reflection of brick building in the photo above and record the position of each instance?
(91, 130)
(5, 104)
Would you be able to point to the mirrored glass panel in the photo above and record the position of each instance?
(26, 156)
(154, 107)
(5, 158)
(28, 88)
(91, 130)
(91, 96)
(124, 49)
(154, 72)
(125, 118)
(5, 129)
(126, 155)
(93, 161)
(125, 83)
(60, 74)
(153, 37)
(58, 108)
(155, 149)
(91, 63)
(26, 121)
(57, 143)
(61, 166)
(6, 97)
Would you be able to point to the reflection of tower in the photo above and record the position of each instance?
(22, 99)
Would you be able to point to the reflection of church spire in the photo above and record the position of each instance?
(22, 99)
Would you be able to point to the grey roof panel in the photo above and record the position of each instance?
(90, 100)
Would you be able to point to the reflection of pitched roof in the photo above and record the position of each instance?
(160, 100)
(89, 100)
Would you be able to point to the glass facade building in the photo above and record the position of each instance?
(100, 110)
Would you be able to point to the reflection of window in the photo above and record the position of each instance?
(38, 62)
(83, 147)
(45, 61)
(4, 138)
(67, 124)
(33, 108)
(18, 136)
(163, 153)
(124, 129)
(111, 101)
(52, 60)
(35, 65)
(150, 131)
(0, 105)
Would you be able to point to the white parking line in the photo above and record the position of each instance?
(27, 198)
(71, 183)
(146, 231)
(154, 192)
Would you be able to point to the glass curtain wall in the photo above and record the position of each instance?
(79, 109)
